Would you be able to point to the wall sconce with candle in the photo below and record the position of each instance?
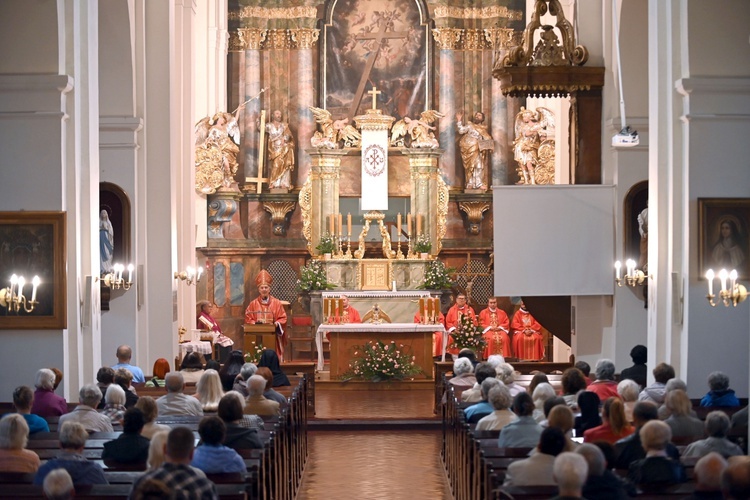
(633, 276)
(189, 275)
(115, 280)
(12, 297)
(734, 294)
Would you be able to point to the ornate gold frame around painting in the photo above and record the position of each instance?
(712, 212)
(37, 240)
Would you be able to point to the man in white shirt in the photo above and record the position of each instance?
(175, 402)
(85, 413)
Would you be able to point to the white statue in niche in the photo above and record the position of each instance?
(106, 242)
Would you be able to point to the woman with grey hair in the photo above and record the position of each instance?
(507, 375)
(14, 434)
(717, 427)
(628, 390)
(672, 385)
(542, 393)
(46, 402)
(114, 406)
(500, 399)
(463, 378)
(240, 381)
(657, 470)
(720, 393)
(604, 386)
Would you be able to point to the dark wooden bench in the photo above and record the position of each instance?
(109, 491)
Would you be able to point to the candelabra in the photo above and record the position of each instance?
(115, 280)
(348, 254)
(399, 254)
(189, 275)
(633, 276)
(734, 294)
(12, 297)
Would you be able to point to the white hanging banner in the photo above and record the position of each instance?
(374, 169)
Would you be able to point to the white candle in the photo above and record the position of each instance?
(130, 273)
(34, 282)
(617, 269)
(733, 277)
(21, 283)
(723, 275)
(200, 272)
(13, 283)
(631, 268)
(190, 272)
(120, 269)
(710, 278)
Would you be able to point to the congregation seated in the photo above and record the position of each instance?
(672, 385)
(237, 436)
(572, 382)
(130, 447)
(256, 403)
(548, 406)
(719, 394)
(85, 413)
(614, 424)
(161, 368)
(124, 378)
(269, 359)
(657, 469)
(735, 480)
(680, 422)
(637, 372)
(500, 399)
(191, 368)
(270, 393)
(717, 426)
(601, 483)
(124, 355)
(630, 449)
(73, 438)
(481, 372)
(628, 390)
(150, 411)
(585, 368)
(463, 377)
(570, 472)
(208, 390)
(46, 402)
(231, 369)
(541, 394)
(104, 377)
(58, 485)
(176, 473)
(156, 450)
(537, 470)
(740, 418)
(14, 457)
(23, 400)
(507, 376)
(605, 385)
(707, 475)
(588, 405)
(211, 456)
(561, 417)
(212, 364)
(175, 401)
(114, 403)
(524, 431)
(538, 378)
(478, 411)
(656, 392)
(248, 421)
(240, 381)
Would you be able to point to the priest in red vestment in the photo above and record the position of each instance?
(528, 343)
(453, 319)
(348, 315)
(267, 309)
(437, 337)
(206, 322)
(496, 326)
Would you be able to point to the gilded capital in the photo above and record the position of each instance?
(475, 39)
(501, 38)
(447, 38)
(246, 39)
(304, 38)
(278, 39)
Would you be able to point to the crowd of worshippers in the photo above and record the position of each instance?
(604, 435)
(232, 399)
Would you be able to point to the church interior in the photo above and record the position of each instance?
(402, 153)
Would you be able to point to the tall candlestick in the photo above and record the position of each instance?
(710, 278)
(408, 224)
(419, 224)
(341, 228)
(398, 224)
(34, 282)
(422, 314)
(21, 283)
(349, 224)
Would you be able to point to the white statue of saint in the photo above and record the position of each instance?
(106, 242)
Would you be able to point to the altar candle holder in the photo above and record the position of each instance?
(430, 312)
(409, 252)
(348, 253)
(340, 252)
(422, 312)
(399, 254)
(326, 310)
(435, 310)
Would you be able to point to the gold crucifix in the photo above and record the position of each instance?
(374, 92)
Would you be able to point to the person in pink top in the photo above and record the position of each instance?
(605, 385)
(46, 402)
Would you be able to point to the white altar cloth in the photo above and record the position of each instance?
(374, 328)
(202, 347)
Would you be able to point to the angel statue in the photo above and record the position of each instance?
(347, 133)
(217, 141)
(476, 144)
(532, 150)
(419, 132)
(331, 132)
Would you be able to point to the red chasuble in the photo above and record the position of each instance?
(437, 337)
(453, 319)
(269, 311)
(527, 337)
(350, 315)
(496, 337)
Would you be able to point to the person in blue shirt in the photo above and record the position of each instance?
(524, 432)
(211, 456)
(73, 438)
(23, 398)
(479, 410)
(124, 354)
(720, 393)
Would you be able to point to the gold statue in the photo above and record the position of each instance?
(419, 132)
(475, 144)
(280, 153)
(532, 150)
(217, 142)
(332, 132)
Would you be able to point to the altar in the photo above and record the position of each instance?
(345, 338)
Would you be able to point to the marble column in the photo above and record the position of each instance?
(325, 170)
(304, 42)
(251, 40)
(447, 40)
(501, 161)
(426, 197)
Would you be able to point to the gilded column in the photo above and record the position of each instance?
(251, 40)
(304, 40)
(447, 40)
(501, 39)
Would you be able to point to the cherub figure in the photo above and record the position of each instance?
(531, 130)
(347, 133)
(325, 138)
(418, 132)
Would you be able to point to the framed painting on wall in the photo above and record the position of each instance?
(723, 226)
(33, 244)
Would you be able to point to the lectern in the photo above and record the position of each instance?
(261, 333)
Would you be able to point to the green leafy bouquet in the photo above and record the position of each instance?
(313, 277)
(437, 277)
(256, 351)
(468, 335)
(326, 244)
(381, 362)
(423, 244)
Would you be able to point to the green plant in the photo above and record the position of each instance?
(380, 362)
(313, 277)
(253, 356)
(423, 244)
(326, 244)
(437, 276)
(468, 334)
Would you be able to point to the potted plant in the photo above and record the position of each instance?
(326, 246)
(423, 246)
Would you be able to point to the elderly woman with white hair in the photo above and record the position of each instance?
(628, 390)
(605, 385)
(542, 393)
(114, 403)
(720, 393)
(46, 402)
(717, 427)
(463, 378)
(240, 381)
(14, 433)
(500, 399)
(507, 376)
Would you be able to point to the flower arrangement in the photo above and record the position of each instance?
(381, 362)
(423, 244)
(313, 277)
(256, 351)
(437, 276)
(326, 244)
(468, 335)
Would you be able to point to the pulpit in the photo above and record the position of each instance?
(261, 334)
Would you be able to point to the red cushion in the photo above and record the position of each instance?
(302, 320)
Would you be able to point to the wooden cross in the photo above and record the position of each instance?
(380, 36)
(374, 92)
(258, 181)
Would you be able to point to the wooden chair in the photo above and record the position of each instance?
(302, 337)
